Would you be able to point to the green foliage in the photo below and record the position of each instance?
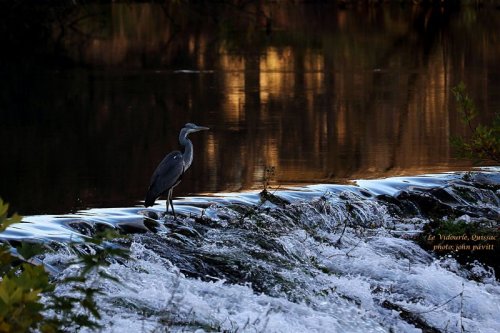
(22, 286)
(465, 104)
(484, 143)
(20, 307)
(6, 221)
(457, 228)
(29, 250)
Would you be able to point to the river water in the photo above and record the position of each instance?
(321, 258)
(349, 106)
(320, 93)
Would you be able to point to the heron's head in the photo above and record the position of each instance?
(191, 128)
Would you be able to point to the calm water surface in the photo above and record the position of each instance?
(321, 94)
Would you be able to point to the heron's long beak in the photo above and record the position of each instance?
(201, 128)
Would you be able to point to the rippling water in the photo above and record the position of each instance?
(319, 258)
(322, 93)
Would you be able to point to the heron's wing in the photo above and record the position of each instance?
(166, 175)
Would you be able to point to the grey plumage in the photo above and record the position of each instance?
(170, 170)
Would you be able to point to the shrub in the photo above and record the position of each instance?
(484, 143)
(22, 286)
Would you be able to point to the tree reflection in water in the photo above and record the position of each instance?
(321, 93)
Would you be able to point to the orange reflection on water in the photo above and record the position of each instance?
(321, 95)
(276, 73)
(211, 159)
(341, 109)
(233, 83)
(424, 139)
(313, 76)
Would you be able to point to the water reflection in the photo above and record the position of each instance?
(322, 94)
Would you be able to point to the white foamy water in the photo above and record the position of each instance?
(347, 297)
(332, 259)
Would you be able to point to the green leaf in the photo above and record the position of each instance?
(5, 221)
(29, 250)
(22, 286)
(484, 144)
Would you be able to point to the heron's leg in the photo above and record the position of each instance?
(173, 211)
(166, 203)
(171, 203)
(169, 199)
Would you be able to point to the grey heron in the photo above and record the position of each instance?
(169, 172)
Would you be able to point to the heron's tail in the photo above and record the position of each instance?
(150, 199)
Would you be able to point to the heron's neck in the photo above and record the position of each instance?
(187, 155)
